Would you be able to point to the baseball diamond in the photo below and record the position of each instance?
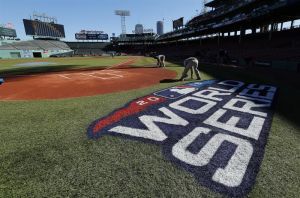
(68, 84)
(220, 132)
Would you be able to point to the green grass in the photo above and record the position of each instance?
(8, 67)
(44, 150)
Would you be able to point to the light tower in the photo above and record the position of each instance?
(123, 14)
(204, 9)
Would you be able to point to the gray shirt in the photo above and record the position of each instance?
(190, 59)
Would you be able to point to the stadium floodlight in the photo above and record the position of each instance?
(204, 8)
(123, 14)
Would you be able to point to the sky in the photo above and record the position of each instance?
(77, 15)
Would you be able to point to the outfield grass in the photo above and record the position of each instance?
(9, 67)
(44, 150)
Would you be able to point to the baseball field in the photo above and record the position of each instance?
(47, 105)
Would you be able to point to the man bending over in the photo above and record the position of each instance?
(190, 64)
(160, 60)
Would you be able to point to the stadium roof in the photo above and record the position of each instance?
(215, 3)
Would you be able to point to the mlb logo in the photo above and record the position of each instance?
(216, 130)
(176, 92)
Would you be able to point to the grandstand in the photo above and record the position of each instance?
(100, 48)
(241, 32)
(138, 44)
(35, 49)
(38, 45)
(137, 38)
(88, 48)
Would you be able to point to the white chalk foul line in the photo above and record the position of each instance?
(112, 73)
(108, 73)
(64, 76)
(92, 76)
(114, 76)
(125, 63)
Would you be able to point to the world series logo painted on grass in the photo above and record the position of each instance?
(216, 130)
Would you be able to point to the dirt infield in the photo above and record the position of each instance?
(70, 84)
